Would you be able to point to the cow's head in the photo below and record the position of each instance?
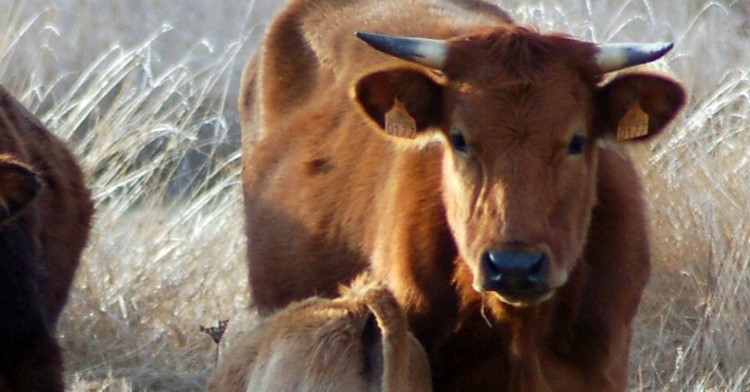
(19, 185)
(519, 114)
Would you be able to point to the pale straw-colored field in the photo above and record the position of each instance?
(145, 91)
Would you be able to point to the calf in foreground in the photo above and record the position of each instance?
(474, 165)
(357, 342)
(45, 213)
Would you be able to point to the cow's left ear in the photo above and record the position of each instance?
(19, 185)
(637, 106)
(402, 102)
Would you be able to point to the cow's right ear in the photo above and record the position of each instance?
(19, 185)
(403, 101)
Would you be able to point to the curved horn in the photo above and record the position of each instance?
(613, 57)
(425, 51)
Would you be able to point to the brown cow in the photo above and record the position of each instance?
(45, 213)
(357, 342)
(477, 170)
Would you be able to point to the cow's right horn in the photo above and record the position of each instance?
(425, 51)
(613, 57)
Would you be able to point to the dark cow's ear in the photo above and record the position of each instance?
(637, 106)
(403, 102)
(19, 185)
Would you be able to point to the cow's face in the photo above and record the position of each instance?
(519, 116)
(518, 181)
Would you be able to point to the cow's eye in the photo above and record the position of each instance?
(575, 147)
(457, 141)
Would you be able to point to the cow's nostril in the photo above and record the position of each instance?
(490, 264)
(539, 269)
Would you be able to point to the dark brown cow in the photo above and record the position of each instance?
(45, 212)
(477, 170)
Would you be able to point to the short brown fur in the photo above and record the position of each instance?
(420, 213)
(45, 213)
(358, 342)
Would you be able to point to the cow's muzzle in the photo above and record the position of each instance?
(518, 277)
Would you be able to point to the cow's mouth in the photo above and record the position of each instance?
(523, 298)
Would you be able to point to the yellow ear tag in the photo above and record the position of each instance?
(633, 124)
(398, 121)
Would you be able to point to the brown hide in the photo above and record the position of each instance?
(356, 342)
(45, 213)
(513, 149)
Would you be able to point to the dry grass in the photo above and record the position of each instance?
(145, 91)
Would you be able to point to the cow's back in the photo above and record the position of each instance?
(318, 183)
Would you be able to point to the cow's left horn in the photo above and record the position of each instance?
(425, 51)
(612, 57)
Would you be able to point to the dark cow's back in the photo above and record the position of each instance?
(45, 214)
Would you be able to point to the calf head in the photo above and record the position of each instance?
(359, 341)
(519, 115)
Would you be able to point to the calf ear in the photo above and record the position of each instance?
(19, 185)
(637, 106)
(372, 344)
(402, 102)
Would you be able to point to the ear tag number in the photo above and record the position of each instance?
(398, 121)
(633, 124)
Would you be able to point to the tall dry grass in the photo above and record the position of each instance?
(145, 93)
